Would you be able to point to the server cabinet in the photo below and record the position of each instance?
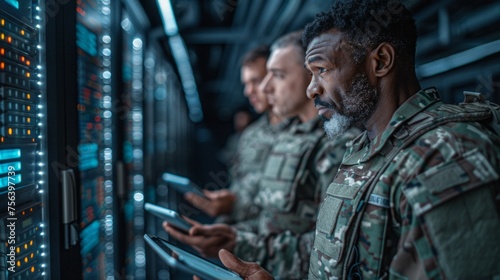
(81, 139)
(22, 141)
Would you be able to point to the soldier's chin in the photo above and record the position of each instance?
(336, 125)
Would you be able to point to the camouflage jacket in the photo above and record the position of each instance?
(253, 148)
(433, 212)
(300, 164)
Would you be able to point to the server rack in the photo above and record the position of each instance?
(22, 144)
(81, 111)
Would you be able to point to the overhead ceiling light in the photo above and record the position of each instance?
(167, 14)
(181, 57)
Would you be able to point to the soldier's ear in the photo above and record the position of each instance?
(382, 59)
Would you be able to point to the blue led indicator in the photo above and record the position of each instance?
(87, 148)
(4, 168)
(4, 182)
(13, 3)
(90, 237)
(86, 40)
(86, 164)
(10, 154)
(89, 157)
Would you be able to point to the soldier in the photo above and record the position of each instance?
(301, 162)
(236, 203)
(416, 195)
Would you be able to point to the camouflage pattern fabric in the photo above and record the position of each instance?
(433, 212)
(301, 162)
(253, 148)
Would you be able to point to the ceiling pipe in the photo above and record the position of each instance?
(482, 18)
(457, 60)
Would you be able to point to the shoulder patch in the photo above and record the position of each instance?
(444, 182)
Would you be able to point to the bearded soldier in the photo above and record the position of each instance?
(417, 194)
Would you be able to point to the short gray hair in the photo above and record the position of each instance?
(289, 39)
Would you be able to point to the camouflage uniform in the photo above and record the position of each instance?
(434, 210)
(301, 163)
(253, 148)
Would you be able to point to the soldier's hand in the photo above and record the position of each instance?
(247, 270)
(219, 202)
(206, 239)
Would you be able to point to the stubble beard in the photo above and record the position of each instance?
(358, 105)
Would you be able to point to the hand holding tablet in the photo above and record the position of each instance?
(183, 260)
(182, 184)
(168, 215)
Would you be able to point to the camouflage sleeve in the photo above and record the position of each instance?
(449, 203)
(245, 190)
(285, 255)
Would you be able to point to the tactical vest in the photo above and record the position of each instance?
(254, 146)
(287, 188)
(339, 220)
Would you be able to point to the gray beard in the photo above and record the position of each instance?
(337, 125)
(358, 106)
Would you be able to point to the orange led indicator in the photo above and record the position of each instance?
(22, 58)
(29, 132)
(2, 139)
(28, 96)
(18, 250)
(25, 246)
(2, 51)
(28, 62)
(9, 39)
(31, 209)
(2, 65)
(32, 255)
(22, 32)
(33, 140)
(3, 22)
(28, 74)
(18, 263)
(28, 120)
(24, 212)
(32, 269)
(28, 107)
(2, 36)
(25, 259)
(31, 243)
(9, 131)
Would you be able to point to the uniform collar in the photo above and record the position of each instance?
(306, 127)
(281, 125)
(363, 150)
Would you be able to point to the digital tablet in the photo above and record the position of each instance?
(168, 215)
(183, 260)
(182, 184)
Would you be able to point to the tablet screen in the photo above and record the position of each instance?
(178, 258)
